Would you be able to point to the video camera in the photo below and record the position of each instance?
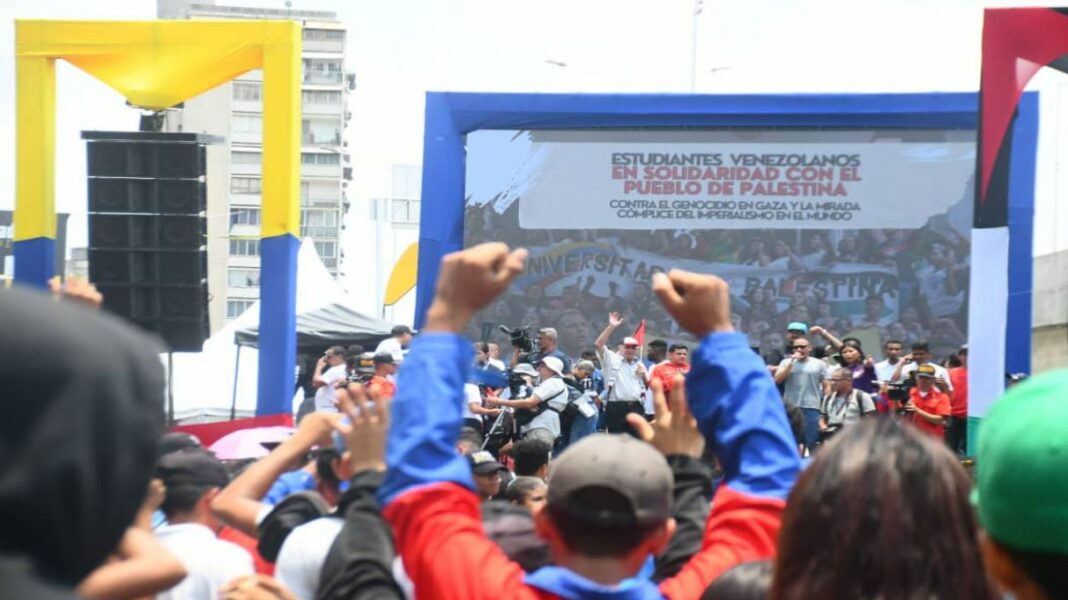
(363, 369)
(519, 337)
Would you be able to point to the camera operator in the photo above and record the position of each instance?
(624, 375)
(329, 370)
(844, 406)
(928, 406)
(546, 340)
(921, 355)
(538, 415)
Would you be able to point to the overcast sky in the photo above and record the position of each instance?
(399, 49)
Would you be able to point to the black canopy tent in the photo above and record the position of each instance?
(330, 325)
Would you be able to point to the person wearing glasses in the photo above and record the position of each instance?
(805, 382)
(844, 406)
(624, 375)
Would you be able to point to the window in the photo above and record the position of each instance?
(324, 34)
(245, 91)
(326, 249)
(322, 97)
(248, 123)
(405, 211)
(244, 278)
(246, 158)
(319, 218)
(322, 71)
(321, 131)
(244, 216)
(235, 308)
(244, 247)
(310, 158)
(245, 185)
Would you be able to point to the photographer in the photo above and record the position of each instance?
(546, 340)
(624, 375)
(333, 361)
(381, 382)
(538, 415)
(844, 406)
(928, 406)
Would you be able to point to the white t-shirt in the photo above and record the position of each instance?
(324, 396)
(392, 346)
(553, 390)
(884, 371)
(471, 396)
(301, 558)
(939, 372)
(626, 377)
(211, 563)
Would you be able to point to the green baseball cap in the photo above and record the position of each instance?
(1022, 494)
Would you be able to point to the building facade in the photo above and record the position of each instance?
(235, 111)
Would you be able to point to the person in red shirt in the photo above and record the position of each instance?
(957, 429)
(928, 406)
(381, 382)
(678, 362)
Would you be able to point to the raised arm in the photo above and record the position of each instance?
(428, 494)
(739, 411)
(241, 503)
(614, 321)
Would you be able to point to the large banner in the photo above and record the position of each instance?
(863, 233)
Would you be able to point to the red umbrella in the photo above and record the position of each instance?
(250, 443)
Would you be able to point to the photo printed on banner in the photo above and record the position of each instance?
(862, 232)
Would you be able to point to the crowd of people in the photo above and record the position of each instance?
(412, 490)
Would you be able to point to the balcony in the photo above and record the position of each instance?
(319, 232)
(246, 168)
(318, 202)
(312, 138)
(310, 45)
(323, 77)
(320, 170)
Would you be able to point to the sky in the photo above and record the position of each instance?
(400, 49)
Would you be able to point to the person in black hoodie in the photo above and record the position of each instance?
(77, 441)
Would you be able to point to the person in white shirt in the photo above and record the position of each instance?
(192, 480)
(334, 364)
(494, 351)
(921, 355)
(401, 336)
(548, 399)
(625, 378)
(884, 369)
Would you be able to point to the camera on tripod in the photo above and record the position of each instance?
(519, 337)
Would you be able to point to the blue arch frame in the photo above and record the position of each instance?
(450, 116)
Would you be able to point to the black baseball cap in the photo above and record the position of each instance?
(400, 330)
(483, 463)
(620, 463)
(385, 358)
(176, 441)
(194, 469)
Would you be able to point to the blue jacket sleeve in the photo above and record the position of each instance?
(427, 416)
(741, 415)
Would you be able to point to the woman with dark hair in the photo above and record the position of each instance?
(862, 367)
(882, 512)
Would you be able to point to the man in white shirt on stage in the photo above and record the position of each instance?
(625, 378)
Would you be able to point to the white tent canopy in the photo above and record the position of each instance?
(204, 381)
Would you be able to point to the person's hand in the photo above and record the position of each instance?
(906, 359)
(77, 289)
(672, 431)
(615, 319)
(157, 492)
(816, 330)
(909, 406)
(365, 433)
(940, 382)
(491, 398)
(255, 587)
(494, 412)
(700, 303)
(469, 280)
(797, 355)
(884, 388)
(869, 362)
(506, 449)
(823, 427)
(315, 429)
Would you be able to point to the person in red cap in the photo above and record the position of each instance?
(928, 406)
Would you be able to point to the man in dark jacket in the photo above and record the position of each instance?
(77, 443)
